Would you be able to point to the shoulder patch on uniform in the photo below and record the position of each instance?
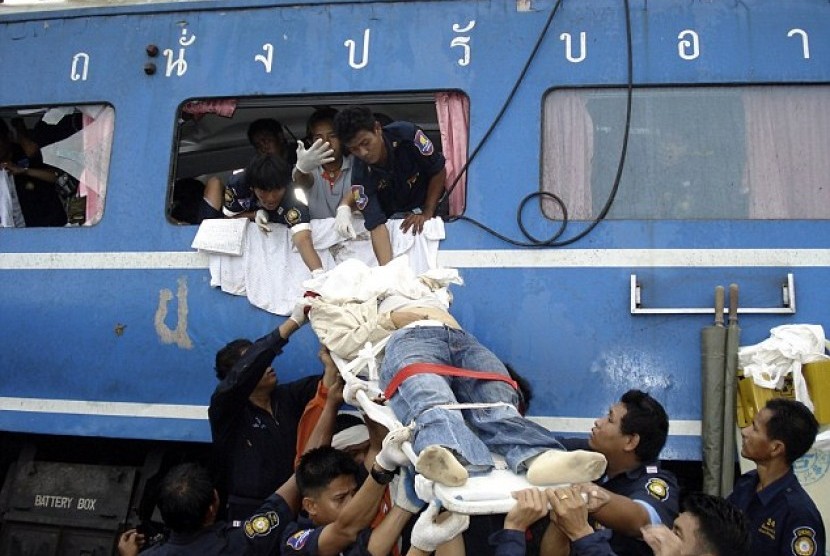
(260, 525)
(658, 488)
(229, 196)
(804, 541)
(292, 216)
(423, 143)
(360, 197)
(297, 540)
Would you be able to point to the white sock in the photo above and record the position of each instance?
(558, 466)
(440, 465)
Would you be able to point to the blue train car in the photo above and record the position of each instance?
(624, 158)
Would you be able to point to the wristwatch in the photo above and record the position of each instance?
(381, 475)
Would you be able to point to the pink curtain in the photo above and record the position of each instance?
(787, 165)
(568, 151)
(97, 147)
(224, 107)
(453, 110)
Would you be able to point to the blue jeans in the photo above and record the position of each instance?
(498, 429)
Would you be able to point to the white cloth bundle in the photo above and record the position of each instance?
(784, 352)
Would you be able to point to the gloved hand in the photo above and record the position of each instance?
(404, 493)
(351, 389)
(298, 314)
(343, 222)
(261, 220)
(391, 455)
(316, 155)
(427, 534)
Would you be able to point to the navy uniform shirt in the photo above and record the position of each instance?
(401, 185)
(255, 450)
(508, 542)
(648, 485)
(783, 519)
(595, 544)
(301, 537)
(261, 534)
(239, 198)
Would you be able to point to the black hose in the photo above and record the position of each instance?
(552, 241)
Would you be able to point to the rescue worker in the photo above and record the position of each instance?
(253, 419)
(635, 491)
(322, 169)
(339, 513)
(189, 505)
(397, 170)
(783, 519)
(267, 195)
(708, 526)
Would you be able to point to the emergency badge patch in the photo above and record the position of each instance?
(423, 143)
(360, 197)
(658, 488)
(292, 216)
(804, 541)
(260, 525)
(297, 540)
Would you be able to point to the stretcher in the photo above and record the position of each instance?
(483, 493)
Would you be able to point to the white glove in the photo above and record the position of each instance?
(343, 222)
(298, 314)
(427, 535)
(391, 455)
(424, 488)
(351, 389)
(316, 155)
(261, 220)
(404, 492)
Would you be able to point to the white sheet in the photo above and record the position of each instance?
(270, 271)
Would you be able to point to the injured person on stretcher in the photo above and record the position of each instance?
(454, 393)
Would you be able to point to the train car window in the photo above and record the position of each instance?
(213, 141)
(693, 153)
(55, 162)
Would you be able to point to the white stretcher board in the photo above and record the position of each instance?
(483, 493)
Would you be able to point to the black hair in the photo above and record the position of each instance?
(185, 495)
(268, 173)
(352, 120)
(525, 389)
(326, 114)
(722, 527)
(227, 357)
(320, 466)
(345, 421)
(646, 418)
(383, 119)
(792, 423)
(265, 125)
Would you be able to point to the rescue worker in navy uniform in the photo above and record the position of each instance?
(339, 513)
(783, 519)
(709, 525)
(253, 419)
(189, 504)
(635, 491)
(397, 170)
(265, 194)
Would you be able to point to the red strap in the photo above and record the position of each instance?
(446, 370)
